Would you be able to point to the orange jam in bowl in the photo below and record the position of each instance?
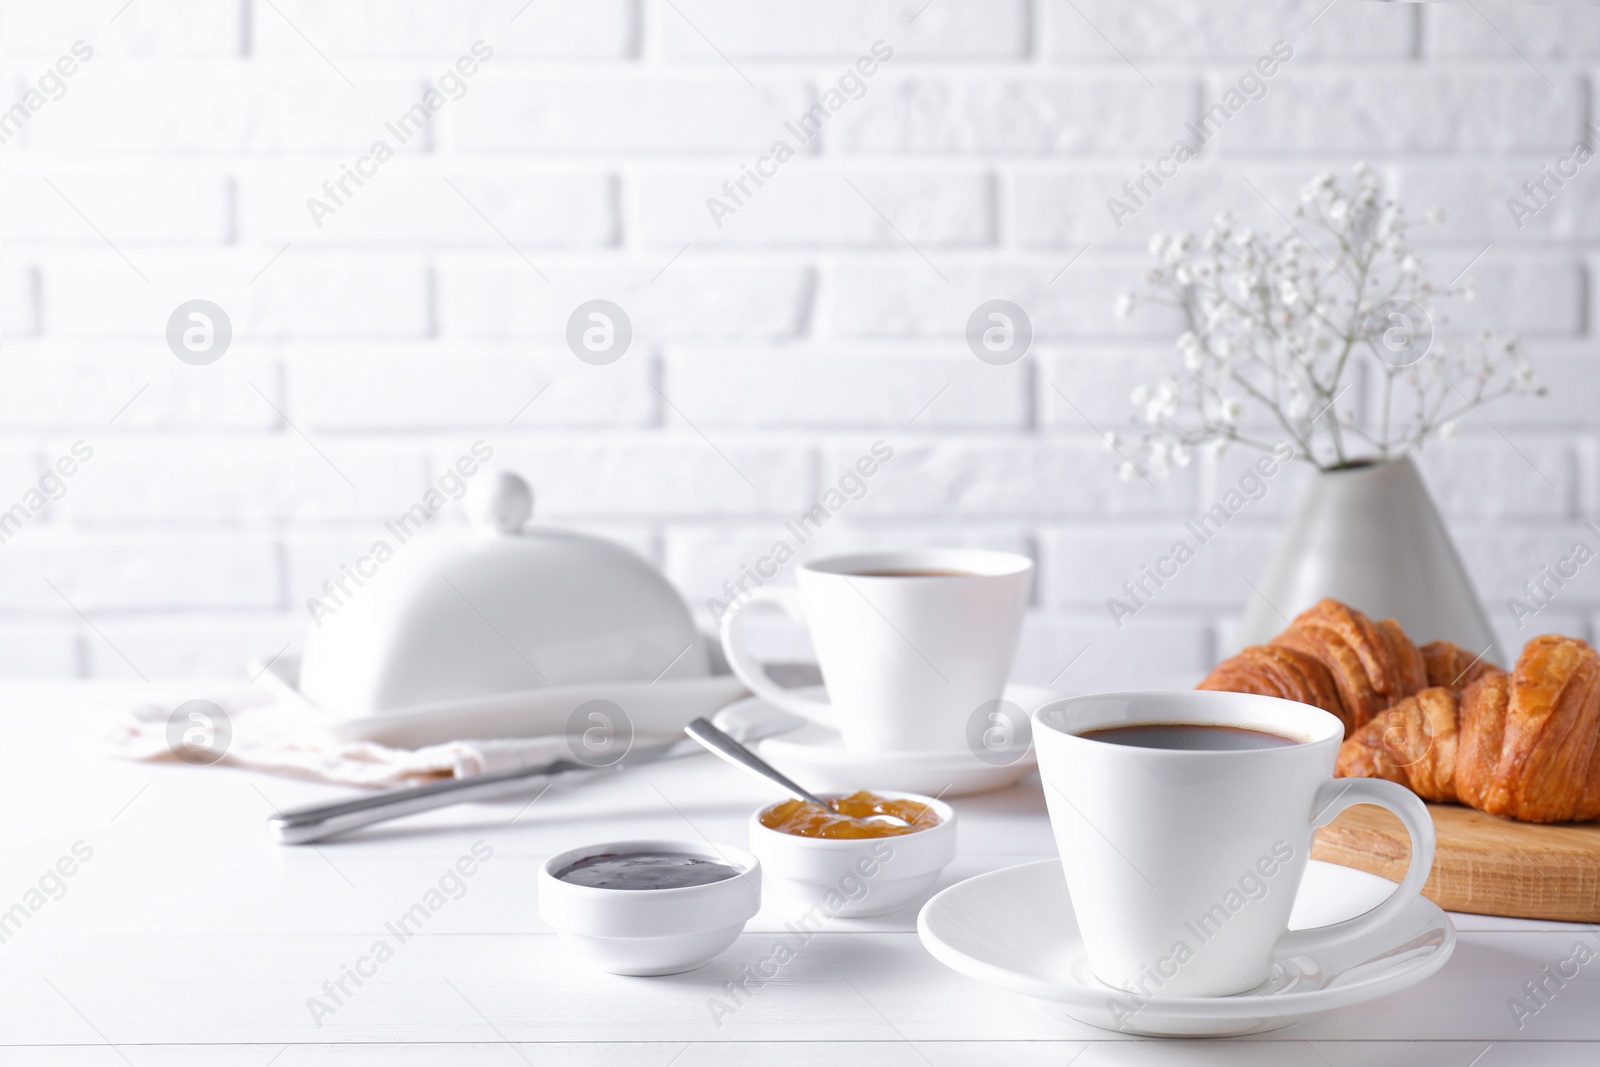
(841, 818)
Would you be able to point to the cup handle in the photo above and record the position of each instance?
(750, 670)
(1338, 794)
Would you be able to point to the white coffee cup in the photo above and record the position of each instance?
(1183, 865)
(909, 661)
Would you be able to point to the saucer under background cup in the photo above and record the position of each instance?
(1015, 929)
(816, 755)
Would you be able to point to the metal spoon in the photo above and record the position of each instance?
(735, 753)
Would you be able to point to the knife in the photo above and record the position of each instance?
(318, 822)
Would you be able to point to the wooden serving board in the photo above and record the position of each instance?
(1483, 864)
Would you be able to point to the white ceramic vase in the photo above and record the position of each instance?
(1371, 536)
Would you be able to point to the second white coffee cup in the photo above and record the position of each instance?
(913, 645)
(1183, 865)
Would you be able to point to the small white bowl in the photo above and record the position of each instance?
(650, 931)
(854, 878)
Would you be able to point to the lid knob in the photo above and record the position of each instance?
(500, 504)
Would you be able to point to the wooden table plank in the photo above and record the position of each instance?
(1482, 863)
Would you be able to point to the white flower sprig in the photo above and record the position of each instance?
(1280, 324)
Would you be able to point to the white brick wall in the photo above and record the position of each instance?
(823, 314)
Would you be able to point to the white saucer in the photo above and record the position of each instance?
(1015, 929)
(816, 756)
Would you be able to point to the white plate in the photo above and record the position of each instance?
(1015, 929)
(653, 709)
(814, 756)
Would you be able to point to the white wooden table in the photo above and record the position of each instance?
(188, 938)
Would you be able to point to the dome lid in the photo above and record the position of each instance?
(448, 616)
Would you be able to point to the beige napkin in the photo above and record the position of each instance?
(279, 740)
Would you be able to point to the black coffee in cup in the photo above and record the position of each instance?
(1189, 737)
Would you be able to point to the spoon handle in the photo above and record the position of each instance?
(735, 753)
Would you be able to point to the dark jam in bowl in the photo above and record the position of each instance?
(646, 870)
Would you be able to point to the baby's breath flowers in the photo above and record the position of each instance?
(1290, 326)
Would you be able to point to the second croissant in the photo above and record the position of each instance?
(1448, 725)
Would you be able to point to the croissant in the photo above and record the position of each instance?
(1373, 664)
(1531, 748)
(1453, 666)
(1445, 723)
(1335, 658)
(1274, 670)
(1525, 745)
(1413, 743)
